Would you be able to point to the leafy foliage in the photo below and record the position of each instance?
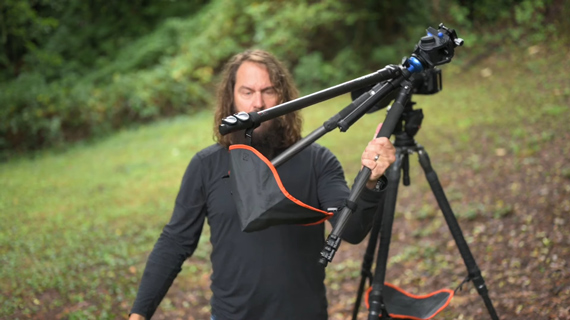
(74, 69)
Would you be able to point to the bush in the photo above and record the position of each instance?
(59, 85)
(159, 74)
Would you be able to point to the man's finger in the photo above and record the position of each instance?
(370, 164)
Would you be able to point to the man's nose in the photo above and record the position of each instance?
(258, 102)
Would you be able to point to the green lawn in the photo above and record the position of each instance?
(77, 225)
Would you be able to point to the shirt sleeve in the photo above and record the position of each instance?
(176, 243)
(333, 191)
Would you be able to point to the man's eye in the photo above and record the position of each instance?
(271, 92)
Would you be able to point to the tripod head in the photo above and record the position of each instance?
(436, 48)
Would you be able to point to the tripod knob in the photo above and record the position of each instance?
(229, 120)
(427, 40)
(415, 65)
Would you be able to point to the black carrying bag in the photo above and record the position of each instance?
(261, 198)
(404, 305)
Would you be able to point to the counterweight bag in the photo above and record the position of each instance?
(261, 198)
(404, 305)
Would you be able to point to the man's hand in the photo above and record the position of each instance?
(135, 316)
(378, 156)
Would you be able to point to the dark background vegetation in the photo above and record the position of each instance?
(71, 70)
(103, 103)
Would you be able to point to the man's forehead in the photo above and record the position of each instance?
(252, 73)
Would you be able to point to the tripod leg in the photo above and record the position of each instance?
(474, 274)
(367, 260)
(377, 307)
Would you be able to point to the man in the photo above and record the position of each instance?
(272, 273)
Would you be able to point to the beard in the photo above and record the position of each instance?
(267, 138)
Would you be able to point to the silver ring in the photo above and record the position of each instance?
(376, 157)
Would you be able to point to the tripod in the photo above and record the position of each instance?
(416, 72)
(405, 145)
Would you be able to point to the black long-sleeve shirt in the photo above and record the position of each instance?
(268, 274)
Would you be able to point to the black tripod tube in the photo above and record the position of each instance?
(377, 307)
(474, 273)
(344, 119)
(365, 272)
(392, 119)
(255, 118)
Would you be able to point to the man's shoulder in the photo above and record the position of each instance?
(320, 150)
(211, 151)
(208, 158)
(317, 147)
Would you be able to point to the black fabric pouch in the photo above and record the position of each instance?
(261, 198)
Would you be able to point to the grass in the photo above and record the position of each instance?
(77, 225)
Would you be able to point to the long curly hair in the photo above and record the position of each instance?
(290, 124)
